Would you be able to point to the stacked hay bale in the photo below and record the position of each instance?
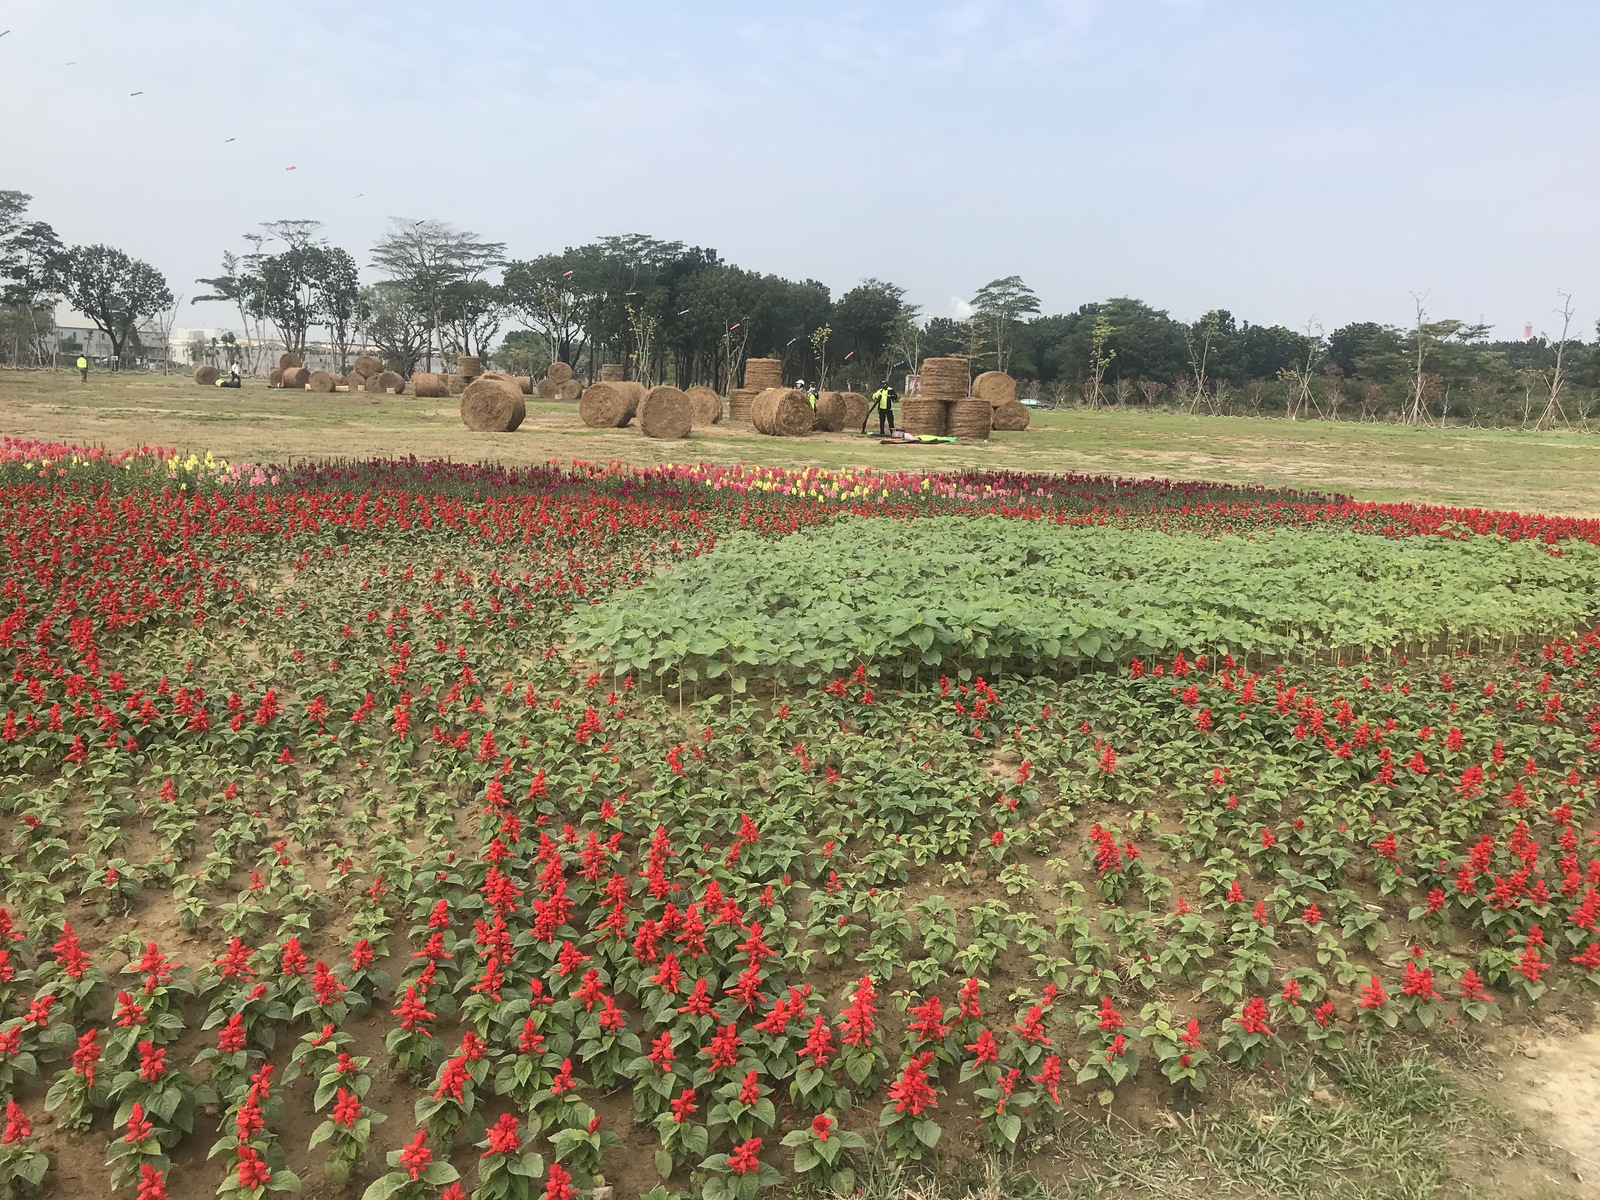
(666, 412)
(830, 414)
(322, 381)
(782, 412)
(611, 372)
(763, 373)
(944, 381)
(707, 405)
(996, 387)
(205, 375)
(364, 368)
(289, 359)
(559, 383)
(609, 405)
(386, 382)
(740, 402)
(492, 406)
(295, 377)
(426, 385)
(971, 418)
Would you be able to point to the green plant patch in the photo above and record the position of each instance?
(984, 594)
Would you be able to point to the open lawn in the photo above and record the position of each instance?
(1547, 472)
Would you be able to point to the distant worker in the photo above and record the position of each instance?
(883, 401)
(83, 368)
(231, 380)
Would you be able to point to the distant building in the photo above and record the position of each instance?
(76, 334)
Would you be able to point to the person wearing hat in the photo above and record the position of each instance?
(883, 401)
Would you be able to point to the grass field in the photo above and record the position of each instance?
(1547, 472)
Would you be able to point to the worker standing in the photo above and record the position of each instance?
(883, 401)
(811, 393)
(83, 368)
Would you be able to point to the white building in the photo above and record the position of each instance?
(77, 334)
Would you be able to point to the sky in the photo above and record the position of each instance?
(1293, 162)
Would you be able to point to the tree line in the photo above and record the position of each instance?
(671, 312)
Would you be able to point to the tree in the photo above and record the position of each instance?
(337, 292)
(395, 326)
(1101, 355)
(32, 271)
(115, 291)
(867, 321)
(471, 312)
(237, 286)
(287, 290)
(545, 293)
(1000, 304)
(424, 258)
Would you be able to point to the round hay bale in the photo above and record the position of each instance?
(605, 405)
(763, 373)
(456, 384)
(1011, 418)
(707, 405)
(856, 408)
(525, 383)
(971, 418)
(547, 389)
(611, 372)
(569, 390)
(782, 412)
(288, 359)
(296, 377)
(275, 377)
(740, 401)
(469, 365)
(996, 387)
(367, 365)
(559, 372)
(205, 374)
(944, 378)
(503, 377)
(322, 381)
(920, 415)
(830, 412)
(492, 406)
(425, 385)
(387, 380)
(666, 412)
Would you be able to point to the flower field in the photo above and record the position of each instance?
(424, 829)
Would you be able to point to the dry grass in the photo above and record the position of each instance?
(1549, 472)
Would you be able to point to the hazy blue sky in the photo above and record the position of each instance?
(1282, 158)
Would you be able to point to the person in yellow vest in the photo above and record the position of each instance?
(811, 393)
(883, 401)
(83, 368)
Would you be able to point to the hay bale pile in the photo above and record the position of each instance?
(469, 365)
(546, 389)
(970, 418)
(296, 377)
(205, 375)
(740, 402)
(830, 412)
(920, 415)
(288, 359)
(492, 406)
(559, 383)
(782, 412)
(944, 379)
(996, 387)
(322, 381)
(611, 372)
(763, 373)
(608, 405)
(1012, 417)
(666, 412)
(426, 385)
(707, 405)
